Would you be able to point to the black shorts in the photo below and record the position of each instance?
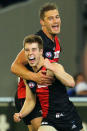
(34, 114)
(61, 123)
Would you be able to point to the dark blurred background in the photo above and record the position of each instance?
(5, 3)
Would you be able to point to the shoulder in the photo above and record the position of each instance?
(40, 33)
(58, 65)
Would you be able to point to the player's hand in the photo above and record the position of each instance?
(42, 79)
(47, 64)
(17, 117)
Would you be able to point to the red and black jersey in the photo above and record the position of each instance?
(21, 90)
(55, 103)
(51, 96)
(51, 51)
(53, 99)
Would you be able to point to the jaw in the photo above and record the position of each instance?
(51, 32)
(39, 63)
(55, 29)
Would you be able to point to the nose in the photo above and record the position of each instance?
(30, 52)
(55, 20)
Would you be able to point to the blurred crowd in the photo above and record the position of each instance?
(80, 78)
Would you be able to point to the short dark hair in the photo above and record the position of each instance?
(33, 39)
(45, 8)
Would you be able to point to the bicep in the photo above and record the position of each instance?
(29, 94)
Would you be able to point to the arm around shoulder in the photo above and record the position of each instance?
(19, 63)
(18, 67)
(62, 75)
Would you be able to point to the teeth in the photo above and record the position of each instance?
(31, 58)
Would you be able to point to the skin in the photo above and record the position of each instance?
(32, 52)
(51, 23)
(80, 79)
(36, 60)
(50, 26)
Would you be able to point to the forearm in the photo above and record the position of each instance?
(29, 103)
(19, 69)
(22, 71)
(27, 108)
(65, 78)
(18, 66)
(61, 75)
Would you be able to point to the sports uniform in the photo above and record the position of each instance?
(57, 110)
(19, 99)
(51, 50)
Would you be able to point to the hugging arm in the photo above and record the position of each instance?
(18, 68)
(60, 73)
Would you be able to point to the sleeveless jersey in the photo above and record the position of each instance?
(55, 103)
(51, 51)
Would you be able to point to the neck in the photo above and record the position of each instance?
(50, 36)
(39, 64)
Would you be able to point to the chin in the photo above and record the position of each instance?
(55, 32)
(31, 64)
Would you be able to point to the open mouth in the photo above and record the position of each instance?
(31, 59)
(55, 27)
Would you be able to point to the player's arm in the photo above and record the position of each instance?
(60, 73)
(18, 68)
(29, 103)
(28, 106)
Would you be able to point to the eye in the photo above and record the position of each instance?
(50, 18)
(26, 49)
(57, 16)
(34, 49)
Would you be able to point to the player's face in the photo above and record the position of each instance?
(51, 22)
(33, 53)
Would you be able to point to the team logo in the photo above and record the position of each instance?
(48, 54)
(44, 123)
(31, 84)
(58, 115)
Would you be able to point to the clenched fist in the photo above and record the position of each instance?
(17, 117)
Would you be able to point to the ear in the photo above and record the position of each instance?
(41, 51)
(41, 22)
